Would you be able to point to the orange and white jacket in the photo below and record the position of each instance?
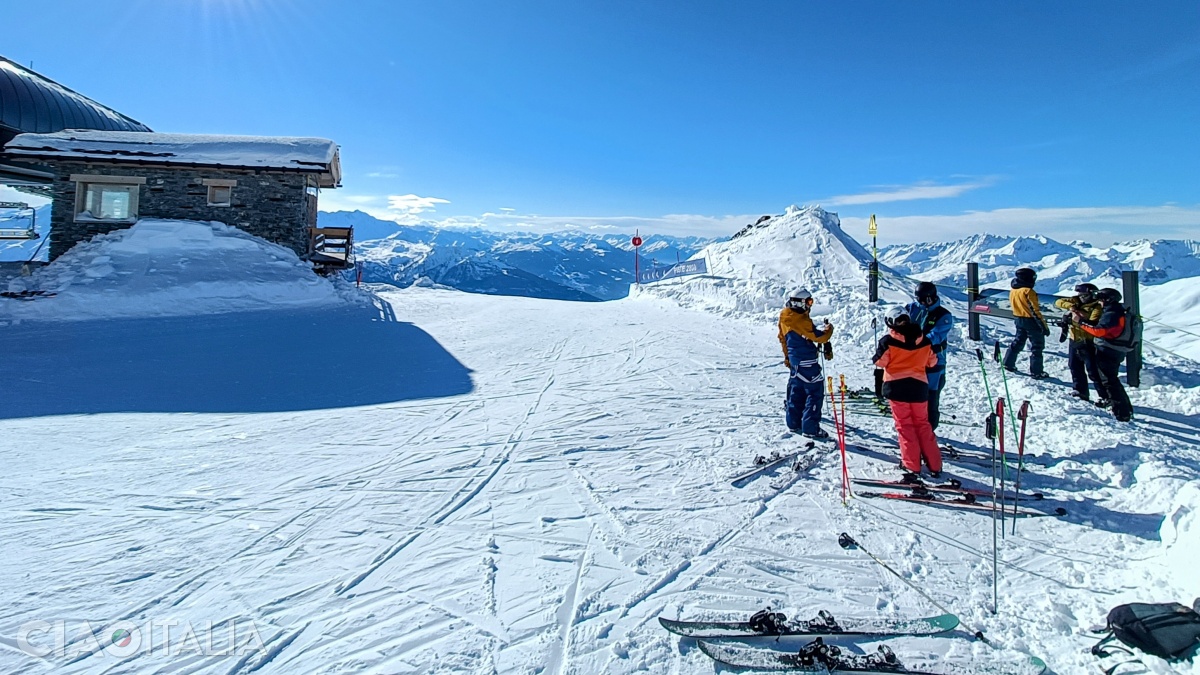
(904, 354)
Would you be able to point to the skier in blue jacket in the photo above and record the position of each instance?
(935, 322)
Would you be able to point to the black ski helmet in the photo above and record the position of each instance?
(1025, 274)
(926, 291)
(1108, 295)
(1086, 291)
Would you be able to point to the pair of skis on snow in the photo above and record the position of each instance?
(952, 495)
(814, 657)
(716, 639)
(763, 464)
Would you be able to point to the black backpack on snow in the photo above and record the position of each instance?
(1168, 630)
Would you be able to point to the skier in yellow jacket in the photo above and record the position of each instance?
(1031, 325)
(806, 388)
(1081, 351)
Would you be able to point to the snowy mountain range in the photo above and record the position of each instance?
(1060, 266)
(560, 265)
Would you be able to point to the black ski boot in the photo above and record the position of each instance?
(768, 623)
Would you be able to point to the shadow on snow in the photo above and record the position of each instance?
(1081, 511)
(246, 362)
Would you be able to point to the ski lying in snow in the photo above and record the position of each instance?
(774, 624)
(769, 462)
(803, 463)
(953, 487)
(818, 657)
(965, 502)
(27, 295)
(956, 455)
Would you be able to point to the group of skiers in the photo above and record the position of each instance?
(912, 358)
(1100, 335)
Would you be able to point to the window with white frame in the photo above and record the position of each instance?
(108, 198)
(220, 191)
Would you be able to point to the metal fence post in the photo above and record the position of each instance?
(1133, 360)
(972, 296)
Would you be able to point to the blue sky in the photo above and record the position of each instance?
(1074, 120)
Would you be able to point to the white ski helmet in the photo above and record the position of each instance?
(799, 299)
(893, 315)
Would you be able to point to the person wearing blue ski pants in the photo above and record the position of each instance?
(804, 402)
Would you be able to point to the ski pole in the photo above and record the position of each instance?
(989, 430)
(1023, 415)
(834, 412)
(842, 439)
(1003, 466)
(983, 371)
(847, 542)
(1004, 376)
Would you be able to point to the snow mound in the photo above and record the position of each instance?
(750, 274)
(170, 268)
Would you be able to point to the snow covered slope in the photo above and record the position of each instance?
(445, 482)
(542, 519)
(560, 265)
(1172, 316)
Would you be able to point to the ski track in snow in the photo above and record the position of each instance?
(541, 522)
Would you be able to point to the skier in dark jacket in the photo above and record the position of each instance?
(1031, 325)
(799, 338)
(1081, 350)
(1108, 357)
(935, 322)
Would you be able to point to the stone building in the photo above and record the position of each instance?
(104, 170)
(106, 180)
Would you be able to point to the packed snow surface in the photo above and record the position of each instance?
(449, 482)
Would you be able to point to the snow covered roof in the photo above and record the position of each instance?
(314, 155)
(31, 102)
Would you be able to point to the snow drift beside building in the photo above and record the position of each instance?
(170, 268)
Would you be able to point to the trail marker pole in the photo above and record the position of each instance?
(637, 242)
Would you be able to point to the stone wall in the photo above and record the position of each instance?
(271, 205)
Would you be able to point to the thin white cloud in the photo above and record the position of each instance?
(671, 224)
(902, 193)
(412, 204)
(1097, 225)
